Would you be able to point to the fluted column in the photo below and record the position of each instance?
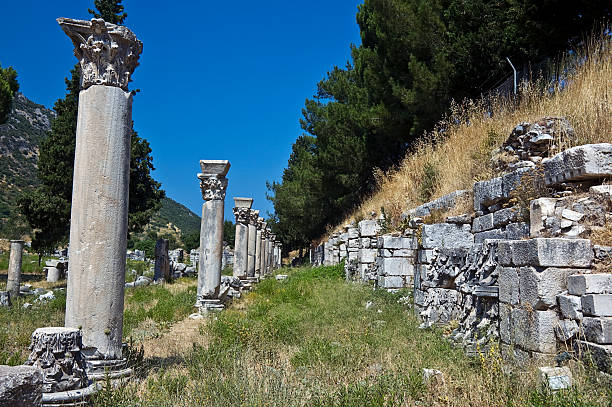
(213, 184)
(242, 208)
(108, 55)
(14, 269)
(252, 247)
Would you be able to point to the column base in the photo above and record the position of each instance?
(206, 305)
(103, 369)
(78, 397)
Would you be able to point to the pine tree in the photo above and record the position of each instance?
(110, 11)
(8, 87)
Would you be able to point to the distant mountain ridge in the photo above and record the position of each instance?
(177, 215)
(20, 137)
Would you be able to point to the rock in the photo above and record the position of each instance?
(590, 161)
(180, 267)
(546, 252)
(446, 235)
(20, 386)
(196, 315)
(443, 203)
(599, 305)
(539, 288)
(556, 378)
(390, 282)
(397, 242)
(570, 306)
(368, 305)
(605, 189)
(482, 223)
(589, 284)
(539, 210)
(281, 277)
(572, 215)
(369, 228)
(494, 191)
(600, 355)
(598, 330)
(429, 374)
(26, 305)
(509, 285)
(5, 300)
(461, 219)
(190, 271)
(142, 281)
(566, 330)
(395, 266)
(46, 297)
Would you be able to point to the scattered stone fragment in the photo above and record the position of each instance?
(556, 378)
(20, 386)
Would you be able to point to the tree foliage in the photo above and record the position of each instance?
(8, 87)
(415, 57)
(47, 209)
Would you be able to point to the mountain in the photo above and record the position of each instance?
(28, 124)
(175, 216)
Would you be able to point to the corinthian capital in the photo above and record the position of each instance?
(107, 53)
(253, 217)
(242, 215)
(213, 187)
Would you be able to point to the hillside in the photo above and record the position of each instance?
(177, 215)
(20, 138)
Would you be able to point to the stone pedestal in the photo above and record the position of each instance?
(14, 269)
(53, 274)
(56, 351)
(252, 246)
(108, 54)
(162, 261)
(213, 184)
(241, 243)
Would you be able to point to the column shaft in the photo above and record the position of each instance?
(251, 250)
(241, 245)
(258, 249)
(14, 269)
(211, 248)
(98, 225)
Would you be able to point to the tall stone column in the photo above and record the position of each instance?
(242, 208)
(266, 251)
(213, 184)
(162, 261)
(108, 55)
(280, 255)
(14, 269)
(252, 247)
(259, 266)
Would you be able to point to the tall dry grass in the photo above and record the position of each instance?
(458, 152)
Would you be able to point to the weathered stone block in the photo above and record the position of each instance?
(544, 252)
(390, 282)
(369, 228)
(566, 330)
(517, 231)
(590, 161)
(534, 330)
(598, 330)
(539, 289)
(539, 210)
(505, 323)
(397, 242)
(505, 216)
(556, 378)
(446, 235)
(493, 191)
(419, 297)
(482, 223)
(394, 266)
(599, 305)
(590, 352)
(508, 285)
(20, 386)
(426, 255)
(570, 306)
(367, 255)
(489, 234)
(589, 284)
(5, 299)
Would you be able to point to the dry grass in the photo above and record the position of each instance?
(458, 153)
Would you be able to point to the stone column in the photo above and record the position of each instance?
(266, 251)
(162, 261)
(259, 267)
(252, 247)
(280, 255)
(108, 55)
(241, 245)
(14, 269)
(213, 184)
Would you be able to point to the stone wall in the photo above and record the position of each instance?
(515, 270)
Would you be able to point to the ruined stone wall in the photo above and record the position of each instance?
(515, 270)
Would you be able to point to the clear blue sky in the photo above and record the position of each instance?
(218, 80)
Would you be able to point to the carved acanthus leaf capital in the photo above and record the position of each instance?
(213, 187)
(242, 215)
(253, 217)
(57, 352)
(107, 53)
